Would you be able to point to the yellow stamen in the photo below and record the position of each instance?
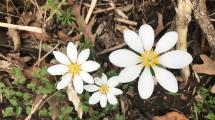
(149, 58)
(104, 88)
(74, 69)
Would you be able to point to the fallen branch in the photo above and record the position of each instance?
(200, 14)
(183, 10)
(20, 27)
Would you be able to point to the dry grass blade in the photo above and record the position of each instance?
(74, 98)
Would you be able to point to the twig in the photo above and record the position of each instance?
(183, 10)
(40, 49)
(20, 27)
(200, 14)
(92, 6)
(111, 49)
(46, 55)
(35, 107)
(129, 22)
(103, 10)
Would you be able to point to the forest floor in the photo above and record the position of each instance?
(28, 92)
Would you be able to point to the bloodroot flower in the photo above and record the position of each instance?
(149, 60)
(104, 90)
(74, 68)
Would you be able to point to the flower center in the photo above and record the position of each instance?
(104, 88)
(149, 58)
(74, 69)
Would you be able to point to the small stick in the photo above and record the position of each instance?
(111, 49)
(35, 107)
(129, 22)
(40, 49)
(46, 54)
(20, 27)
(103, 10)
(92, 6)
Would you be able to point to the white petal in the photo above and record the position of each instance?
(95, 98)
(83, 56)
(100, 81)
(146, 84)
(61, 58)
(146, 33)
(90, 66)
(175, 59)
(59, 69)
(113, 81)
(166, 79)
(104, 78)
(78, 84)
(166, 42)
(64, 81)
(86, 77)
(115, 91)
(72, 52)
(91, 88)
(130, 73)
(103, 101)
(111, 99)
(124, 58)
(133, 40)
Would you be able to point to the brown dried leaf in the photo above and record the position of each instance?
(4, 65)
(40, 36)
(171, 116)
(14, 35)
(213, 89)
(63, 36)
(83, 27)
(208, 66)
(74, 98)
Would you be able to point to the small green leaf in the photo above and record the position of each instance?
(28, 110)
(8, 112)
(18, 111)
(13, 102)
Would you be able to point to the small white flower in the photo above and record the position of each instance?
(104, 90)
(150, 60)
(74, 68)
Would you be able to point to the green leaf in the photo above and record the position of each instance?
(18, 111)
(16, 72)
(2, 85)
(43, 112)
(28, 110)
(112, 73)
(19, 78)
(119, 117)
(8, 112)
(13, 102)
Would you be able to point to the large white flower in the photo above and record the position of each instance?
(74, 68)
(104, 90)
(149, 59)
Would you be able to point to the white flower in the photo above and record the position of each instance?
(150, 60)
(74, 68)
(104, 90)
